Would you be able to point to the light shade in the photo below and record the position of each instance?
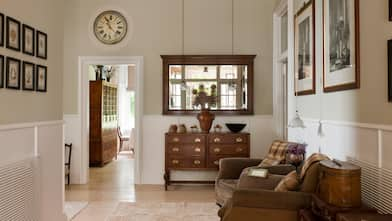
(297, 122)
(320, 131)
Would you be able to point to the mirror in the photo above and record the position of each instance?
(226, 81)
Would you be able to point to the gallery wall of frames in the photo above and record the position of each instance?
(24, 74)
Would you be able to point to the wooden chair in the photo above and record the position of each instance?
(67, 169)
(122, 138)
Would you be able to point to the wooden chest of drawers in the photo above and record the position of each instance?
(198, 151)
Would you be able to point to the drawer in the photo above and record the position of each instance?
(185, 163)
(228, 138)
(186, 149)
(186, 138)
(231, 149)
(213, 161)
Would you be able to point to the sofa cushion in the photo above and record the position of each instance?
(251, 182)
(289, 183)
(276, 154)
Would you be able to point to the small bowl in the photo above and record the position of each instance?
(236, 128)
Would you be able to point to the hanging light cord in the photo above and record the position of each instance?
(183, 27)
(232, 27)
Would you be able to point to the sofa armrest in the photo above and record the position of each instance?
(281, 169)
(270, 199)
(231, 168)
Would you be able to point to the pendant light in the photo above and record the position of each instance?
(297, 121)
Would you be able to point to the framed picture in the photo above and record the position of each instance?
(42, 77)
(28, 40)
(304, 49)
(390, 70)
(42, 45)
(13, 73)
(1, 71)
(28, 76)
(390, 10)
(341, 45)
(13, 34)
(1, 30)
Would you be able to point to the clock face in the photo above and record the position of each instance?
(110, 27)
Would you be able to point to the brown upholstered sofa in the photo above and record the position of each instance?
(232, 171)
(260, 201)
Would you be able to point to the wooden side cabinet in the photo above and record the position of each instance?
(198, 152)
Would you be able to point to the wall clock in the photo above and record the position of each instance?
(110, 27)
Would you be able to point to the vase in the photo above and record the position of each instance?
(182, 129)
(205, 118)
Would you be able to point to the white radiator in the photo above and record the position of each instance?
(376, 186)
(17, 195)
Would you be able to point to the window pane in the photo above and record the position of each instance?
(175, 71)
(200, 72)
(228, 72)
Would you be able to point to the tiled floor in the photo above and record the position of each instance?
(114, 183)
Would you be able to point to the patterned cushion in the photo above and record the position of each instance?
(276, 154)
(289, 183)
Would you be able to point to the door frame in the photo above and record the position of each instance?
(83, 101)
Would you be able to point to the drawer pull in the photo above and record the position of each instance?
(197, 140)
(176, 149)
(196, 162)
(175, 162)
(239, 149)
(217, 150)
(176, 139)
(197, 149)
(216, 162)
(217, 140)
(238, 140)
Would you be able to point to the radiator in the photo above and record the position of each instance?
(17, 195)
(376, 186)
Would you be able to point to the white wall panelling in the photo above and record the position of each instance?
(73, 133)
(43, 140)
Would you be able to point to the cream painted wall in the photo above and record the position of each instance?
(369, 104)
(25, 106)
(157, 29)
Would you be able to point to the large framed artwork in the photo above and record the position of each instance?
(304, 50)
(28, 77)
(1, 30)
(1, 71)
(42, 77)
(42, 45)
(341, 45)
(28, 40)
(13, 73)
(13, 34)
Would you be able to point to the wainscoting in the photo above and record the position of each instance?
(368, 145)
(43, 142)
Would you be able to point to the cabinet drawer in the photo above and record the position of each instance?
(186, 149)
(228, 139)
(231, 149)
(186, 138)
(185, 163)
(213, 161)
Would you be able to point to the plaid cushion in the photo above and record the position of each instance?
(289, 183)
(314, 158)
(276, 154)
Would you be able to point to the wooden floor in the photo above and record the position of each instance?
(114, 183)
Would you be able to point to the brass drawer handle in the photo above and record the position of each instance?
(217, 150)
(176, 149)
(217, 140)
(239, 140)
(175, 162)
(196, 162)
(216, 162)
(197, 140)
(197, 149)
(239, 149)
(176, 139)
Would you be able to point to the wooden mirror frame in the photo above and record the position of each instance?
(168, 60)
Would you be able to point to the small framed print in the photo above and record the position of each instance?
(28, 76)
(42, 77)
(1, 30)
(1, 71)
(304, 50)
(42, 45)
(28, 40)
(13, 73)
(13, 34)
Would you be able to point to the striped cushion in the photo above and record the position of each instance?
(276, 154)
(289, 183)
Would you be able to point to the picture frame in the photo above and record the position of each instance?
(1, 71)
(41, 78)
(28, 42)
(341, 45)
(13, 37)
(12, 73)
(1, 29)
(41, 45)
(390, 9)
(390, 70)
(304, 50)
(28, 76)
